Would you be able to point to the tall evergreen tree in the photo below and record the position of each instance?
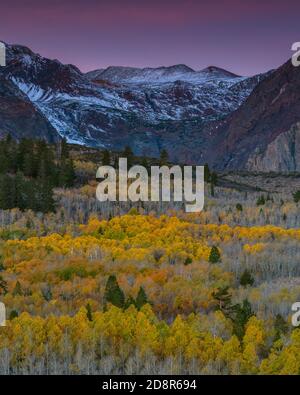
(67, 174)
(113, 293)
(261, 201)
(145, 162)
(129, 302)
(296, 196)
(281, 327)
(127, 153)
(3, 286)
(105, 158)
(89, 313)
(29, 166)
(10, 153)
(213, 182)
(241, 314)
(45, 191)
(21, 200)
(214, 255)
(13, 314)
(65, 154)
(141, 298)
(246, 278)
(164, 157)
(17, 290)
(6, 192)
(206, 173)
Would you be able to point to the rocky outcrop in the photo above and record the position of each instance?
(281, 155)
(19, 117)
(271, 110)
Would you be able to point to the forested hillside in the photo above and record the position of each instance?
(123, 288)
(29, 170)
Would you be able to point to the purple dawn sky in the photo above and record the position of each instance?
(246, 37)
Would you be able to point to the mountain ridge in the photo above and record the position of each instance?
(211, 115)
(161, 74)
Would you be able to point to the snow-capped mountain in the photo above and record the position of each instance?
(159, 75)
(106, 108)
(177, 92)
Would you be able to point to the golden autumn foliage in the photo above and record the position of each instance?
(51, 278)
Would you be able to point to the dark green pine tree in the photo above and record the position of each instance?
(129, 302)
(105, 158)
(296, 196)
(29, 166)
(67, 174)
(261, 201)
(10, 154)
(4, 165)
(2, 268)
(89, 313)
(116, 161)
(214, 255)
(145, 163)
(3, 286)
(45, 161)
(127, 153)
(141, 298)
(13, 314)
(164, 157)
(20, 153)
(7, 192)
(48, 203)
(113, 293)
(213, 183)
(24, 149)
(239, 207)
(64, 150)
(21, 198)
(281, 327)
(31, 192)
(241, 314)
(44, 200)
(17, 290)
(43, 197)
(206, 173)
(188, 261)
(246, 278)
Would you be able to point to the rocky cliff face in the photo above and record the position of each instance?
(281, 155)
(253, 130)
(19, 117)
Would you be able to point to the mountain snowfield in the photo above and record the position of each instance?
(195, 115)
